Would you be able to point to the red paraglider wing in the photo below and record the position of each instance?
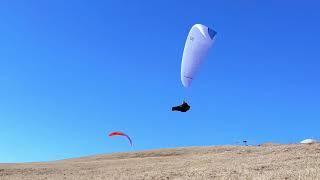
(118, 133)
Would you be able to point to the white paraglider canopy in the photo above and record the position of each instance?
(309, 141)
(199, 41)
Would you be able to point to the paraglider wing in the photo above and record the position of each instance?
(199, 41)
(118, 133)
(309, 141)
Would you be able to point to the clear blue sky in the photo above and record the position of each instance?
(69, 70)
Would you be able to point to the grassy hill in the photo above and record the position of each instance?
(294, 161)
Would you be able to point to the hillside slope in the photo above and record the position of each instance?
(215, 162)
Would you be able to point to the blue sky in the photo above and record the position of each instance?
(69, 70)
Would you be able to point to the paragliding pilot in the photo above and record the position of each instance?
(184, 107)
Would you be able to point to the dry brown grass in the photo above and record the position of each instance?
(268, 161)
